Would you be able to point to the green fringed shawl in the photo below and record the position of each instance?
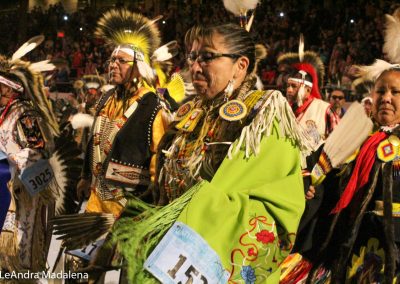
(248, 214)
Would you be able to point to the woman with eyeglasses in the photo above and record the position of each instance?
(363, 237)
(363, 240)
(229, 176)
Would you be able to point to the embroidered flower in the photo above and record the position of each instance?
(248, 274)
(251, 252)
(265, 237)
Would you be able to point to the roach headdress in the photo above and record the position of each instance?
(26, 79)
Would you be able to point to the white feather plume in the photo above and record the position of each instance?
(27, 47)
(165, 52)
(81, 120)
(238, 7)
(151, 22)
(391, 46)
(301, 48)
(145, 70)
(372, 72)
(42, 66)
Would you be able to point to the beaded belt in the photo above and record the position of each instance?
(379, 208)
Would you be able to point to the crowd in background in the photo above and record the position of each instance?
(351, 36)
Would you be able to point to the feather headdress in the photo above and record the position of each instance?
(391, 48)
(93, 81)
(239, 8)
(310, 57)
(25, 78)
(307, 61)
(132, 33)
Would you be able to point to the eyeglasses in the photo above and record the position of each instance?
(207, 56)
(337, 97)
(122, 61)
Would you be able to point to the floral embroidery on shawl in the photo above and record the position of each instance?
(261, 250)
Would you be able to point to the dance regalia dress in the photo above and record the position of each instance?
(233, 185)
(316, 113)
(122, 147)
(362, 236)
(23, 239)
(365, 240)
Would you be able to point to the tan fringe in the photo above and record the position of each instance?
(38, 250)
(49, 194)
(275, 108)
(8, 240)
(9, 250)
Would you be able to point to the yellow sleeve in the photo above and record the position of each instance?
(159, 127)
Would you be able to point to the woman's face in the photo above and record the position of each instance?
(211, 71)
(386, 98)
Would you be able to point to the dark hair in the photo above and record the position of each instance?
(237, 40)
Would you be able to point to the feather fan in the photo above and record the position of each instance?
(176, 88)
(66, 164)
(79, 230)
(345, 139)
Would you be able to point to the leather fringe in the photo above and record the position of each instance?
(388, 229)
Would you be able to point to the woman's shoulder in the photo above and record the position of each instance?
(257, 100)
(269, 109)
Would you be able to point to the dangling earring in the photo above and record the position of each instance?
(229, 90)
(232, 110)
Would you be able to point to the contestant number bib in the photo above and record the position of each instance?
(37, 177)
(183, 257)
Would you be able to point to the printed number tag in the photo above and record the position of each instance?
(183, 257)
(37, 177)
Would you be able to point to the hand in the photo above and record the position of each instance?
(83, 189)
(310, 193)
